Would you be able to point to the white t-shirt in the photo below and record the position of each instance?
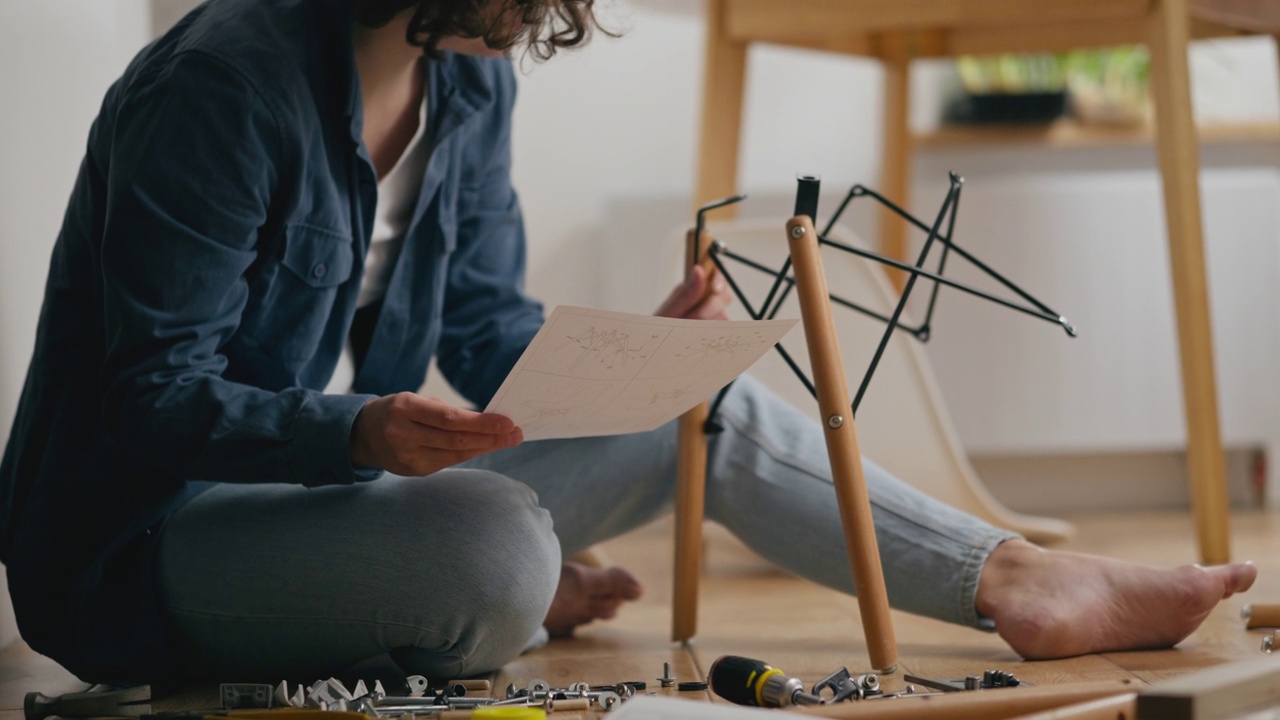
(397, 199)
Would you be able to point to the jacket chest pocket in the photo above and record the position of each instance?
(295, 307)
(321, 259)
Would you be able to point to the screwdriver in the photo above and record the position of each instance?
(745, 681)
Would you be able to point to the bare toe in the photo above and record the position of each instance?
(586, 594)
(1236, 577)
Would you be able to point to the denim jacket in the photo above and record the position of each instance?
(201, 290)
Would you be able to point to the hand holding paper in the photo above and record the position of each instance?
(592, 372)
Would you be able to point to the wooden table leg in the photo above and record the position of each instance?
(723, 83)
(1178, 150)
(842, 444)
(895, 159)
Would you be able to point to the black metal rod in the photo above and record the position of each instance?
(1056, 319)
(795, 368)
(783, 284)
(702, 221)
(782, 298)
(959, 250)
(839, 211)
(807, 188)
(942, 266)
(728, 276)
(902, 301)
(790, 281)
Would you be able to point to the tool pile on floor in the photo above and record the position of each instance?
(737, 679)
(332, 696)
(752, 682)
(421, 699)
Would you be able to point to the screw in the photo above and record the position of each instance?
(667, 680)
(797, 232)
(835, 421)
(1268, 643)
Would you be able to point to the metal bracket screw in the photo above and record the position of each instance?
(797, 232)
(667, 680)
(835, 421)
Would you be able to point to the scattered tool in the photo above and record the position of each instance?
(844, 686)
(667, 679)
(127, 702)
(277, 713)
(751, 682)
(988, 679)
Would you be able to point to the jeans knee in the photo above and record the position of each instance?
(504, 562)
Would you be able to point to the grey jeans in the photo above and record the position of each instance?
(451, 574)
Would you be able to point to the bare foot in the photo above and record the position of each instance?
(586, 594)
(1050, 604)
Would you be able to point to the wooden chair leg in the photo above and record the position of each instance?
(842, 445)
(691, 484)
(1178, 149)
(724, 80)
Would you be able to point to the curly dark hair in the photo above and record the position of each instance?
(543, 26)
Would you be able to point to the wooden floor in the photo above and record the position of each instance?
(749, 608)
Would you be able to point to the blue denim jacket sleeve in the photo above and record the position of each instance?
(488, 320)
(196, 155)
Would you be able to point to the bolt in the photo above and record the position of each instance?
(835, 421)
(797, 232)
(1268, 643)
(667, 680)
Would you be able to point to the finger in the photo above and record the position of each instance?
(437, 413)
(432, 461)
(433, 438)
(685, 295)
(715, 305)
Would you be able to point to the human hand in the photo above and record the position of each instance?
(691, 299)
(409, 434)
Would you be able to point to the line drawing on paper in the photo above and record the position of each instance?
(594, 372)
(558, 406)
(610, 348)
(727, 345)
(670, 394)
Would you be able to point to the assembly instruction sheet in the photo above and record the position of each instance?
(594, 372)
